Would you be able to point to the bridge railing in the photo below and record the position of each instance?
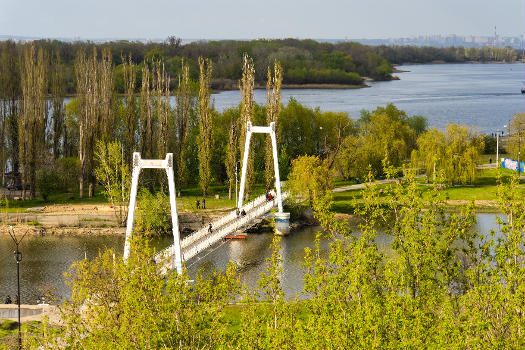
(203, 231)
(213, 238)
(217, 235)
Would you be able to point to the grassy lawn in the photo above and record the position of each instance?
(185, 202)
(483, 188)
(57, 198)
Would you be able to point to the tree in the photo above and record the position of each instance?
(130, 305)
(246, 85)
(34, 107)
(232, 151)
(115, 176)
(516, 129)
(309, 178)
(464, 146)
(10, 96)
(131, 115)
(58, 91)
(384, 135)
(147, 117)
(161, 92)
(273, 108)
(205, 125)
(95, 106)
(185, 109)
(431, 152)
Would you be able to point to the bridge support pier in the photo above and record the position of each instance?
(282, 224)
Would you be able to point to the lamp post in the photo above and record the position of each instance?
(497, 149)
(18, 258)
(519, 151)
(236, 191)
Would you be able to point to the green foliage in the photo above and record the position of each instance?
(153, 214)
(69, 170)
(132, 306)
(385, 134)
(515, 137)
(115, 176)
(456, 153)
(489, 142)
(309, 178)
(439, 284)
(46, 182)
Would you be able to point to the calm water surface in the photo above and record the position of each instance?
(45, 259)
(481, 95)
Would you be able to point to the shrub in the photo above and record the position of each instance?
(153, 215)
(46, 182)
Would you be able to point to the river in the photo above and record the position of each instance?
(482, 95)
(45, 259)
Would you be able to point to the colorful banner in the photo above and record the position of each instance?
(512, 164)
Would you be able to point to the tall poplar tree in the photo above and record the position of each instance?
(147, 135)
(131, 116)
(273, 108)
(246, 86)
(161, 83)
(32, 123)
(58, 92)
(185, 108)
(232, 151)
(10, 96)
(95, 98)
(205, 124)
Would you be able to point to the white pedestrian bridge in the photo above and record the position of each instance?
(183, 250)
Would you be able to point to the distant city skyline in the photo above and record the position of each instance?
(249, 19)
(430, 40)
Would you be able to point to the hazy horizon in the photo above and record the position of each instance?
(248, 19)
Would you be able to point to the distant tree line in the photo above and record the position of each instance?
(303, 61)
(415, 54)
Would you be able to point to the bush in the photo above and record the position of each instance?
(69, 170)
(153, 215)
(46, 182)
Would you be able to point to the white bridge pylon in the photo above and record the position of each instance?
(260, 130)
(166, 164)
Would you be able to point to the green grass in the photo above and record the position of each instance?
(186, 202)
(34, 223)
(483, 188)
(57, 198)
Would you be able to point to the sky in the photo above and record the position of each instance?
(249, 19)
